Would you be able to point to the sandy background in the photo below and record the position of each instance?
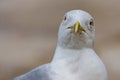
(28, 33)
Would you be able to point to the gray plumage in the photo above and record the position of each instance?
(40, 73)
(75, 58)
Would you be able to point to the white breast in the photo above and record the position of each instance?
(78, 65)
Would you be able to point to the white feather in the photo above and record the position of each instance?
(74, 57)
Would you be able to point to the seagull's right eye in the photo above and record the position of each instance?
(65, 18)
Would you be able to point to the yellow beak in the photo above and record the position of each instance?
(76, 28)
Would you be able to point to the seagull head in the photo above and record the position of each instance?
(76, 30)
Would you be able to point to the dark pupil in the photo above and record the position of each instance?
(64, 18)
(91, 23)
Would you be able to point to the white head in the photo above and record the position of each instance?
(76, 30)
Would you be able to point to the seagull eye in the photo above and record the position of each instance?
(65, 18)
(91, 23)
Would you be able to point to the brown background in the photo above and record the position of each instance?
(28, 33)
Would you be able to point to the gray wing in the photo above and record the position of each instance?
(41, 73)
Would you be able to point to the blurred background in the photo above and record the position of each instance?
(28, 33)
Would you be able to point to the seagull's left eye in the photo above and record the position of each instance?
(91, 23)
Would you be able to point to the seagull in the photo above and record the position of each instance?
(74, 58)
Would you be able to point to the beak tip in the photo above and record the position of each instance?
(76, 28)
